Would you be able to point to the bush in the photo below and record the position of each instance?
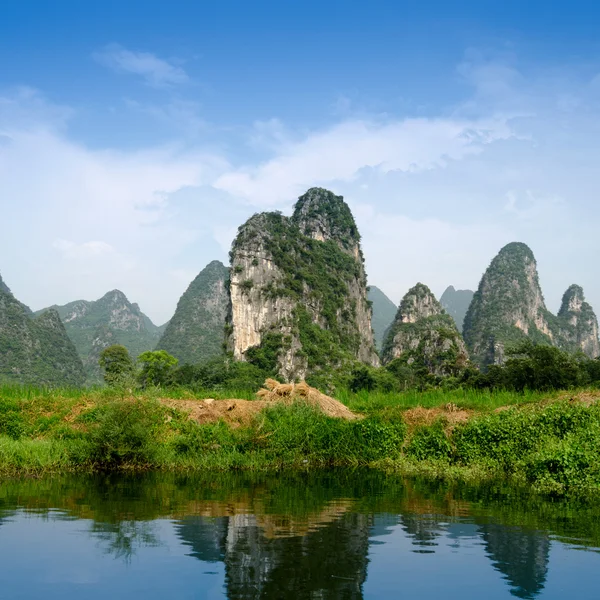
(430, 442)
(292, 434)
(124, 434)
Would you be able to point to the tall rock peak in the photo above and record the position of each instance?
(423, 335)
(509, 307)
(196, 332)
(418, 303)
(580, 323)
(298, 287)
(323, 216)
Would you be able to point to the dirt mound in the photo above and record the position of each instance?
(290, 392)
(238, 412)
(234, 411)
(450, 414)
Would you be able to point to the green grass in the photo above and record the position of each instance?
(548, 442)
(483, 400)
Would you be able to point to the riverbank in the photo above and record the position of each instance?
(551, 444)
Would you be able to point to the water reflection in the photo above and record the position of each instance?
(310, 536)
(521, 555)
(274, 558)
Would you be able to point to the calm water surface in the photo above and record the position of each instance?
(341, 535)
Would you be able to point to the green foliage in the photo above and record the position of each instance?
(125, 434)
(157, 368)
(220, 374)
(365, 378)
(246, 285)
(536, 367)
(429, 442)
(265, 356)
(299, 433)
(117, 365)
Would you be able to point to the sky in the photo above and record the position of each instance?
(136, 137)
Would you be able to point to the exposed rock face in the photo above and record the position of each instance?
(423, 335)
(509, 308)
(580, 328)
(298, 289)
(456, 303)
(384, 311)
(35, 350)
(196, 331)
(92, 326)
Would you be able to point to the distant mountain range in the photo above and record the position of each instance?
(94, 325)
(384, 311)
(456, 303)
(294, 301)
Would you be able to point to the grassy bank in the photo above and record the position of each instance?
(550, 443)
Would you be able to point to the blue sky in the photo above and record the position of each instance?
(135, 139)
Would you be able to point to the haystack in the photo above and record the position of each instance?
(237, 412)
(274, 391)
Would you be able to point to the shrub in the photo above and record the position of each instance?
(124, 434)
(430, 442)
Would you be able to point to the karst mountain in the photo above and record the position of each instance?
(299, 291)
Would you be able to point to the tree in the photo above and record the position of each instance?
(158, 368)
(117, 365)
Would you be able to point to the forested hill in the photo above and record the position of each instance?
(35, 350)
(94, 325)
(197, 330)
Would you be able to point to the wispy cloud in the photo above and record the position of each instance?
(157, 72)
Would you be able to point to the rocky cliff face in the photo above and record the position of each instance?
(579, 322)
(423, 335)
(92, 326)
(298, 289)
(197, 330)
(384, 311)
(35, 350)
(456, 303)
(509, 307)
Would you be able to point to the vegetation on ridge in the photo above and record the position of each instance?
(195, 333)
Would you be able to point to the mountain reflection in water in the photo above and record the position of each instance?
(312, 536)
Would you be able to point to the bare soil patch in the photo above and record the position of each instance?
(236, 412)
(450, 414)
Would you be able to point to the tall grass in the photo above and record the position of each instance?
(485, 400)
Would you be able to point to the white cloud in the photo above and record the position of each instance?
(85, 250)
(340, 152)
(157, 72)
(434, 198)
